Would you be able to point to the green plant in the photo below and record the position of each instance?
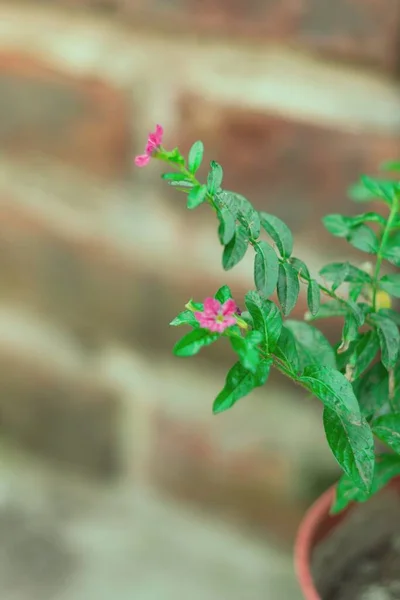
(357, 380)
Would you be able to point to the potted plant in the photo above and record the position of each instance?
(357, 380)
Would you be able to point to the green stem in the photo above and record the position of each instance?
(379, 257)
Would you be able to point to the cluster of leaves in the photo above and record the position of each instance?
(358, 380)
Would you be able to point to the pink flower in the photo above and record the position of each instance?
(217, 317)
(154, 142)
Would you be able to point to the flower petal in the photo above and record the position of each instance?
(142, 160)
(229, 307)
(212, 307)
(159, 134)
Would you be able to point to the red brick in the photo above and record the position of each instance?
(251, 485)
(362, 30)
(44, 111)
(64, 418)
(297, 170)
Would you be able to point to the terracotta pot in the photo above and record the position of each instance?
(315, 526)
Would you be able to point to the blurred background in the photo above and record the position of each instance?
(116, 482)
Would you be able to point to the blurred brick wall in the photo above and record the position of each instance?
(296, 98)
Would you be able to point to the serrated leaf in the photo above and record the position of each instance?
(196, 196)
(391, 284)
(312, 346)
(215, 176)
(313, 297)
(224, 293)
(186, 317)
(387, 467)
(300, 267)
(195, 156)
(266, 317)
(387, 429)
(286, 350)
(389, 339)
(239, 383)
(266, 268)
(363, 238)
(235, 250)
(175, 177)
(194, 341)
(352, 444)
(288, 288)
(339, 273)
(279, 232)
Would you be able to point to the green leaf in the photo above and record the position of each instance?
(224, 293)
(341, 226)
(350, 332)
(300, 267)
(372, 391)
(391, 284)
(286, 351)
(352, 444)
(385, 190)
(339, 273)
(391, 251)
(387, 466)
(357, 311)
(247, 352)
(391, 314)
(196, 196)
(175, 177)
(266, 268)
(239, 383)
(288, 287)
(215, 176)
(335, 391)
(262, 373)
(364, 352)
(311, 345)
(363, 238)
(236, 249)
(173, 156)
(387, 429)
(181, 185)
(194, 341)
(391, 165)
(389, 339)
(186, 317)
(195, 156)
(332, 308)
(227, 226)
(266, 317)
(313, 297)
(247, 215)
(279, 232)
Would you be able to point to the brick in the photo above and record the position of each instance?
(362, 30)
(68, 419)
(245, 464)
(100, 294)
(295, 169)
(44, 111)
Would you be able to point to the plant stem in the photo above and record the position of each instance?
(379, 257)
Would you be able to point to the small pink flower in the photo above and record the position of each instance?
(217, 317)
(154, 142)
